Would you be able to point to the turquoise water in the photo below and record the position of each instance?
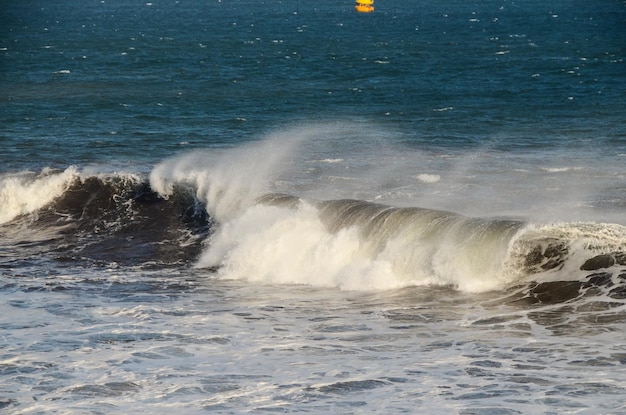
(241, 206)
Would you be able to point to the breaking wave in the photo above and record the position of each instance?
(359, 245)
(74, 216)
(205, 211)
(26, 192)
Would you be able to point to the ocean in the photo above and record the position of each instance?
(237, 206)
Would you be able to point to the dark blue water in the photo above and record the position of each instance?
(239, 206)
(130, 81)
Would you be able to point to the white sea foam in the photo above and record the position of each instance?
(577, 241)
(335, 160)
(280, 244)
(321, 246)
(428, 178)
(26, 192)
(559, 169)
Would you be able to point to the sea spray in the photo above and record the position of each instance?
(356, 244)
(26, 192)
(228, 182)
(566, 251)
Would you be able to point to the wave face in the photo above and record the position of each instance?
(73, 216)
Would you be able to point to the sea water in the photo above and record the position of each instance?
(274, 206)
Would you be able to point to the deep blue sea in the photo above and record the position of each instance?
(238, 206)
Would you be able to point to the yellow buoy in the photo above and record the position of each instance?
(364, 6)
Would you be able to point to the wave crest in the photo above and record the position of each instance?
(113, 218)
(355, 244)
(26, 192)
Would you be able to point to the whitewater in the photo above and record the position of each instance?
(260, 233)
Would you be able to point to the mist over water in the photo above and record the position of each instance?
(344, 159)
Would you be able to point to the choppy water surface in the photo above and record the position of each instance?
(149, 343)
(239, 206)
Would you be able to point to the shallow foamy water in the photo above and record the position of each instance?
(187, 341)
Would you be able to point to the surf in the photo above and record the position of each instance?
(266, 212)
(360, 245)
(25, 192)
(263, 233)
(88, 219)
